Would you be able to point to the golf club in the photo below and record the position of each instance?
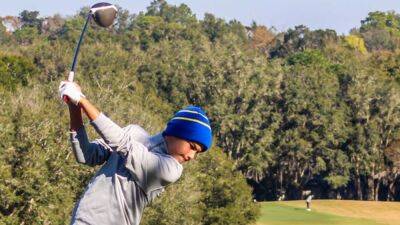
(104, 15)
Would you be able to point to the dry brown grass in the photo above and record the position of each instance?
(381, 212)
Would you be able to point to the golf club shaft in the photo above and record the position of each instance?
(72, 72)
(104, 15)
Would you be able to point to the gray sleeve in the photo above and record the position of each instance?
(108, 130)
(150, 170)
(161, 170)
(89, 153)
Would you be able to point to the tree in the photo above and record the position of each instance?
(51, 24)
(123, 20)
(301, 38)
(181, 14)
(262, 38)
(312, 127)
(15, 71)
(26, 35)
(30, 19)
(314, 115)
(214, 192)
(214, 27)
(388, 62)
(381, 31)
(389, 21)
(356, 43)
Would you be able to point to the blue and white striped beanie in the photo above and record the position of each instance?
(191, 124)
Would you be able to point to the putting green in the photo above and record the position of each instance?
(326, 213)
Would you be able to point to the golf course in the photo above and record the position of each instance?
(326, 212)
(161, 112)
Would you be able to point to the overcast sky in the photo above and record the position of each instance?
(340, 15)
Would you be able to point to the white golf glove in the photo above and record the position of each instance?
(71, 90)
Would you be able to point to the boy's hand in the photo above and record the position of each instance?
(70, 90)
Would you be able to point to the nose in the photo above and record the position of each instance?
(190, 156)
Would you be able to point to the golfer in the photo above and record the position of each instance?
(308, 202)
(136, 166)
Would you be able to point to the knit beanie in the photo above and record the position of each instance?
(191, 124)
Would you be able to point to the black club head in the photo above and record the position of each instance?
(104, 13)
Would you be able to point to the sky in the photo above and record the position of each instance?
(340, 15)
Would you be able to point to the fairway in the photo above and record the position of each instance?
(325, 212)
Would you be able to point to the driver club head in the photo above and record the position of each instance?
(104, 13)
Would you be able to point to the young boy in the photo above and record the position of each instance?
(136, 167)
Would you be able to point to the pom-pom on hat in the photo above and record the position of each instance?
(191, 124)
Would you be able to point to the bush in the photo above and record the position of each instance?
(210, 192)
(15, 70)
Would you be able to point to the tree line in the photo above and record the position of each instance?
(291, 111)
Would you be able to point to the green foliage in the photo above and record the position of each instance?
(26, 35)
(38, 163)
(316, 114)
(307, 58)
(214, 27)
(301, 38)
(15, 70)
(30, 19)
(295, 120)
(181, 14)
(226, 195)
(388, 62)
(211, 192)
(337, 181)
(40, 181)
(389, 21)
(70, 31)
(381, 30)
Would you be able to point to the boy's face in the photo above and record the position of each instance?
(182, 150)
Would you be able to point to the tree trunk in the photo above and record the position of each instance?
(371, 188)
(391, 191)
(357, 184)
(378, 184)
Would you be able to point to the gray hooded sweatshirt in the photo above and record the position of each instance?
(136, 169)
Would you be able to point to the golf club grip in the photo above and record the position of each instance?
(70, 79)
(71, 76)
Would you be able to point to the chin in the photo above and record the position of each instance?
(183, 161)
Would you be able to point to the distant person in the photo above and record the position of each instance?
(135, 166)
(308, 202)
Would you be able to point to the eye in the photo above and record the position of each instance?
(193, 147)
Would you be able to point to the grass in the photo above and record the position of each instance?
(326, 212)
